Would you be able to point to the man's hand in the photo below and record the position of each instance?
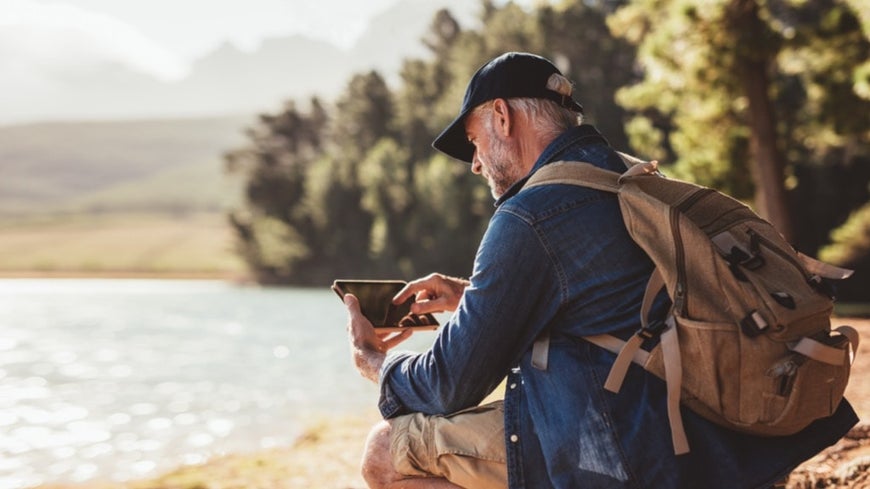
(368, 347)
(434, 293)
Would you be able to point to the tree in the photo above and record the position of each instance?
(274, 165)
(361, 192)
(755, 47)
(355, 189)
(388, 195)
(720, 90)
(822, 69)
(576, 37)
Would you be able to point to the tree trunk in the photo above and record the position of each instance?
(753, 58)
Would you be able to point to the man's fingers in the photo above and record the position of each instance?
(394, 340)
(439, 304)
(426, 284)
(410, 289)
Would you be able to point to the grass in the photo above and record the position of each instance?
(119, 244)
(167, 190)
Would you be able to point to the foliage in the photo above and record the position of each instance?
(851, 248)
(354, 189)
(778, 116)
(692, 111)
(851, 241)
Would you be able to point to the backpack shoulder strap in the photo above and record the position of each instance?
(630, 161)
(588, 175)
(575, 173)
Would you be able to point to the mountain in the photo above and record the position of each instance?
(105, 169)
(228, 80)
(396, 33)
(150, 145)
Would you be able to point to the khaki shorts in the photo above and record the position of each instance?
(466, 448)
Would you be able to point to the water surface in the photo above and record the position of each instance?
(120, 379)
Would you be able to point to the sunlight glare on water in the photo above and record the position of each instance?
(120, 379)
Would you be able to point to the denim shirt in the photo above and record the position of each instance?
(557, 258)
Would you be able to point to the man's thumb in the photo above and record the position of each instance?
(352, 304)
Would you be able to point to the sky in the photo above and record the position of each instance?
(162, 37)
(46, 44)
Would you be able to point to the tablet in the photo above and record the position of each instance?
(376, 303)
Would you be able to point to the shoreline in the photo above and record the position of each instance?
(842, 310)
(325, 455)
(328, 453)
(119, 274)
(238, 278)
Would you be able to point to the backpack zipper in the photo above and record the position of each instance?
(693, 199)
(680, 300)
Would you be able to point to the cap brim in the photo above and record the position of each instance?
(453, 141)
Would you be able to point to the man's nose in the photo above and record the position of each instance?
(476, 166)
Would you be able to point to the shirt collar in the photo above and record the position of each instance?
(577, 135)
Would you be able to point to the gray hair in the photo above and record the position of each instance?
(551, 119)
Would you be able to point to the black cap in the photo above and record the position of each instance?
(511, 75)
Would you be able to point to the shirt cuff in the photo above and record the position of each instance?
(389, 404)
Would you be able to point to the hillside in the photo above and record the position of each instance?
(124, 197)
(173, 164)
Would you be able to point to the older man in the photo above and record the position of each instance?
(555, 259)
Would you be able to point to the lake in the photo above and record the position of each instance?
(123, 379)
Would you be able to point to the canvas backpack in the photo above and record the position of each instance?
(747, 343)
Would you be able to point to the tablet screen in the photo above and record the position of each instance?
(376, 303)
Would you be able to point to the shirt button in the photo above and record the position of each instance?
(514, 438)
(514, 385)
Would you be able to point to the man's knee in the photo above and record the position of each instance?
(377, 463)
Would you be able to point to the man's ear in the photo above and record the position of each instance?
(501, 111)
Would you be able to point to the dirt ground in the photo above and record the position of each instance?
(846, 464)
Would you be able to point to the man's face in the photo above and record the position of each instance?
(495, 157)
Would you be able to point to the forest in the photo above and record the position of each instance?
(767, 100)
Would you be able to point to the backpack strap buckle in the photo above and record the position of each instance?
(751, 260)
(823, 286)
(753, 324)
(652, 330)
(736, 253)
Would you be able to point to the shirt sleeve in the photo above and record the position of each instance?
(514, 292)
